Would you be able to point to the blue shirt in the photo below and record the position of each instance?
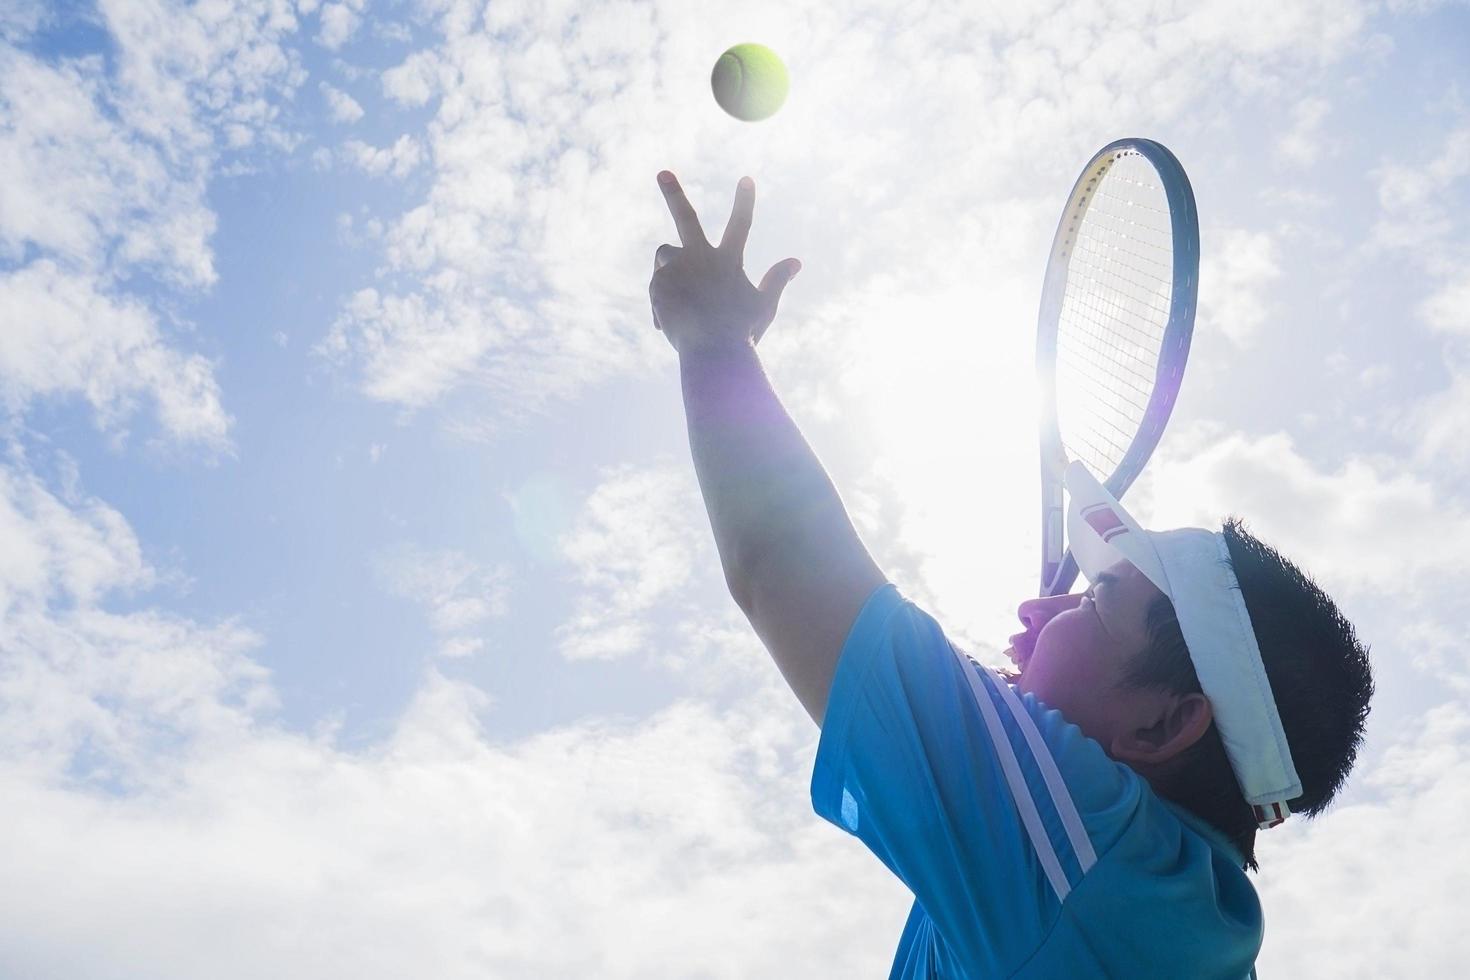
(1030, 853)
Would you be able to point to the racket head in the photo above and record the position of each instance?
(1114, 328)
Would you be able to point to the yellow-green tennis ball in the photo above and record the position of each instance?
(750, 82)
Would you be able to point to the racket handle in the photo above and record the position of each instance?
(1052, 542)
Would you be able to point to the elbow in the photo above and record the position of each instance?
(739, 565)
(739, 586)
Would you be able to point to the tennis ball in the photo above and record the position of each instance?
(750, 82)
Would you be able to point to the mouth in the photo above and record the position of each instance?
(1017, 657)
(1010, 675)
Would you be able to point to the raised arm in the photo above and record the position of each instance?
(792, 558)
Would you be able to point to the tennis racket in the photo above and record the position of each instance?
(1112, 337)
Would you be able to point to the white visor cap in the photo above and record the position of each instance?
(1192, 567)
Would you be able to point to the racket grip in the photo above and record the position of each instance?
(1052, 555)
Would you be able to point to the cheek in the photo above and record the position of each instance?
(1067, 667)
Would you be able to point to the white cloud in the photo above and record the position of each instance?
(441, 854)
(1375, 375)
(355, 234)
(1420, 6)
(76, 552)
(1321, 921)
(343, 107)
(64, 336)
(459, 647)
(1418, 209)
(187, 71)
(1436, 424)
(79, 183)
(1296, 197)
(161, 817)
(1360, 524)
(634, 545)
(538, 162)
(1447, 310)
(1403, 187)
(458, 595)
(397, 160)
(1378, 535)
(1411, 199)
(1302, 144)
(102, 696)
(1238, 267)
(21, 18)
(378, 329)
(415, 81)
(339, 21)
(392, 31)
(1316, 31)
(107, 164)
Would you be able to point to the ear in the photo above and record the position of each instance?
(1181, 721)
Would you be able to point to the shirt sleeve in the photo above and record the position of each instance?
(989, 806)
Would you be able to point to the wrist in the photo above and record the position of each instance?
(715, 349)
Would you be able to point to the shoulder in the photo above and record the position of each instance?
(898, 667)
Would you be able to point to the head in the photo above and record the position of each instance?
(1076, 654)
(1113, 661)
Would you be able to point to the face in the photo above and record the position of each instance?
(1075, 649)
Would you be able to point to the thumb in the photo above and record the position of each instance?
(771, 287)
(781, 273)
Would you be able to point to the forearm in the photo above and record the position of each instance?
(763, 486)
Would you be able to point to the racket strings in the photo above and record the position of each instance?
(1114, 311)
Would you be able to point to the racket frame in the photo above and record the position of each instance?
(1058, 567)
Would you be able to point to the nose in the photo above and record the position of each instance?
(1036, 613)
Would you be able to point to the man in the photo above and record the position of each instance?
(1093, 817)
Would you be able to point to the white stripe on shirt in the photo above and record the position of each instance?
(1006, 756)
(1061, 796)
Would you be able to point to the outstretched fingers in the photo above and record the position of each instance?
(685, 220)
(738, 228)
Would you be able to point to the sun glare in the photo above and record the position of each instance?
(948, 407)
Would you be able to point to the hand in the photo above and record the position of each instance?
(700, 295)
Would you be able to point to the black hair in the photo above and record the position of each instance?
(1319, 675)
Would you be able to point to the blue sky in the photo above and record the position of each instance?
(358, 611)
